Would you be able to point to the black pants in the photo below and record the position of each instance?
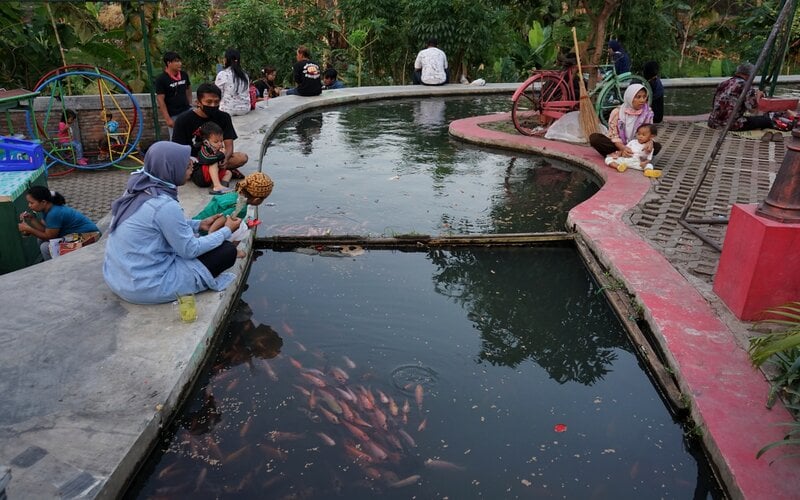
(605, 146)
(220, 258)
(756, 122)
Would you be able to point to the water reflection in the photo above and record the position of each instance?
(372, 172)
(502, 297)
(429, 115)
(384, 388)
(308, 128)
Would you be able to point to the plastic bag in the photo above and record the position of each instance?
(568, 128)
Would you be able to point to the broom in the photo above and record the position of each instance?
(589, 122)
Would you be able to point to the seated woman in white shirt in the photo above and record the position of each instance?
(430, 67)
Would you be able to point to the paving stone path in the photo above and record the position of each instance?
(741, 173)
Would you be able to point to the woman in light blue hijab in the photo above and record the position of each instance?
(153, 253)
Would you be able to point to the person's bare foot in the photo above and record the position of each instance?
(240, 254)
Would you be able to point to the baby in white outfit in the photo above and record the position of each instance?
(642, 147)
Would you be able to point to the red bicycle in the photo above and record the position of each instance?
(549, 94)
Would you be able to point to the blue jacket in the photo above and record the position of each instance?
(152, 256)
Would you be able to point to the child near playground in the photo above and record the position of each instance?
(252, 190)
(208, 151)
(642, 147)
(66, 136)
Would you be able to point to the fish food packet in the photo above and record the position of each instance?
(241, 201)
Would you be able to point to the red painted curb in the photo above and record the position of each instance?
(727, 394)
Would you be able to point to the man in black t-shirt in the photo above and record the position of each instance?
(173, 90)
(207, 109)
(306, 74)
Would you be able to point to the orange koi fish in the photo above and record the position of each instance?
(355, 431)
(295, 363)
(330, 416)
(422, 424)
(314, 380)
(418, 393)
(356, 453)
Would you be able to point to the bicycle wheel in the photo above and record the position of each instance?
(613, 92)
(530, 111)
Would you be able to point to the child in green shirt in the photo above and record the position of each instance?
(252, 190)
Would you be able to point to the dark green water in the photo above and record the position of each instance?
(516, 378)
(390, 167)
(529, 387)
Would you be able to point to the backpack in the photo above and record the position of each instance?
(253, 96)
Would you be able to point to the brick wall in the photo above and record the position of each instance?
(89, 124)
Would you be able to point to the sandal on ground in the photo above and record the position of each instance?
(219, 191)
(235, 174)
(652, 173)
(766, 137)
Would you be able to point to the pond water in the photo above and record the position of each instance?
(684, 101)
(390, 167)
(451, 373)
(483, 373)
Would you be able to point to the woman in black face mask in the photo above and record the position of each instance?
(207, 109)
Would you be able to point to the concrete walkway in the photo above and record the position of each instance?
(87, 380)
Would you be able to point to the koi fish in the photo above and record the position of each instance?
(379, 419)
(393, 408)
(422, 424)
(372, 473)
(407, 437)
(312, 400)
(330, 416)
(236, 454)
(272, 452)
(295, 363)
(347, 394)
(355, 431)
(375, 451)
(384, 398)
(356, 453)
(418, 393)
(268, 369)
(305, 392)
(300, 346)
(276, 436)
(288, 330)
(442, 464)
(340, 375)
(314, 380)
(406, 482)
(311, 415)
(329, 400)
(366, 400)
(349, 363)
(406, 407)
(200, 479)
(326, 439)
(246, 427)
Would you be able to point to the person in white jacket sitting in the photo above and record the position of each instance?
(430, 67)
